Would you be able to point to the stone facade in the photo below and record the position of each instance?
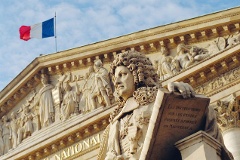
(59, 105)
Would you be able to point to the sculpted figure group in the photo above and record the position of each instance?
(97, 89)
(188, 55)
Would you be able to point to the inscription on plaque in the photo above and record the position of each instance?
(179, 117)
(173, 118)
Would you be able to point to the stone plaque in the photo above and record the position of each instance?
(173, 118)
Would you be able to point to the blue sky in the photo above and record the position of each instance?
(82, 22)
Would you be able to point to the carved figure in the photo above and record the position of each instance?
(187, 55)
(6, 134)
(167, 65)
(26, 123)
(216, 45)
(136, 84)
(45, 102)
(183, 56)
(102, 85)
(69, 105)
(88, 87)
(13, 129)
(233, 40)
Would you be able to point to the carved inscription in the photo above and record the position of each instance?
(76, 148)
(175, 119)
(179, 117)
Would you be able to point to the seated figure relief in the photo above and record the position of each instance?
(188, 55)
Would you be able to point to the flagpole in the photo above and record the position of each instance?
(55, 30)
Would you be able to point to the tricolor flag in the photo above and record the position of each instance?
(40, 30)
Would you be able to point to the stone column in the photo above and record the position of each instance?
(231, 139)
(228, 111)
(199, 146)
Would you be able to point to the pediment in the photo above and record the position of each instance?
(215, 37)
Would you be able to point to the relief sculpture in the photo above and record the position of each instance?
(167, 65)
(25, 123)
(69, 105)
(188, 55)
(14, 129)
(6, 134)
(45, 102)
(88, 86)
(102, 90)
(96, 90)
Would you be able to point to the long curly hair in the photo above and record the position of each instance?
(139, 65)
(146, 80)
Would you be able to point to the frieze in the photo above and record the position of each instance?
(77, 149)
(219, 83)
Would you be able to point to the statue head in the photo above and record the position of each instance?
(44, 79)
(164, 51)
(98, 64)
(137, 66)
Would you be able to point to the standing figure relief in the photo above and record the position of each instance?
(103, 90)
(45, 102)
(25, 121)
(88, 87)
(14, 130)
(6, 134)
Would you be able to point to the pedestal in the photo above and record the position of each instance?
(199, 146)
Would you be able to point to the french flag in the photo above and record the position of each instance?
(40, 30)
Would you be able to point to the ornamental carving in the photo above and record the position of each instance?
(227, 112)
(218, 82)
